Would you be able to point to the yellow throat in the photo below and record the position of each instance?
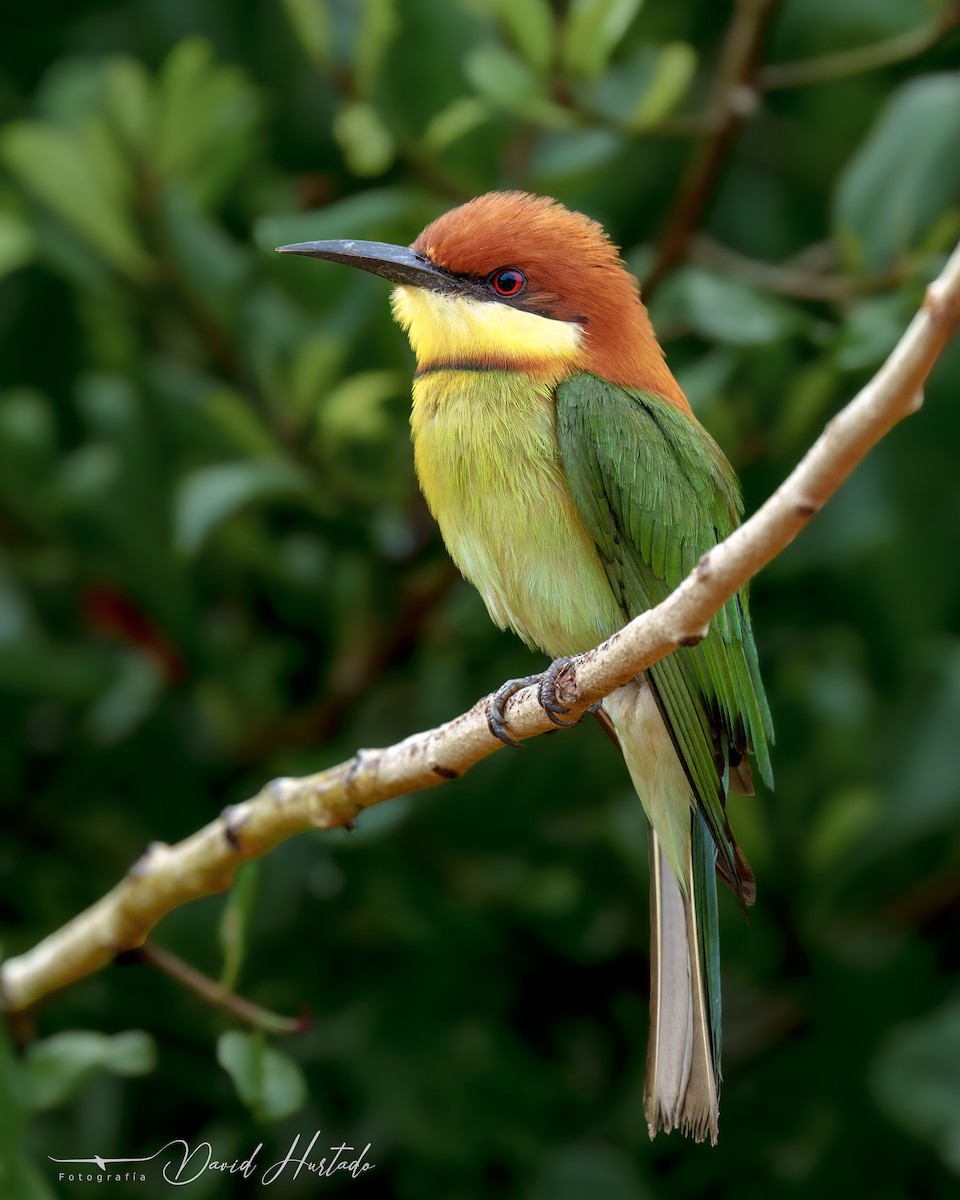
(458, 331)
(486, 453)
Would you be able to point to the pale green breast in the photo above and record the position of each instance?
(487, 459)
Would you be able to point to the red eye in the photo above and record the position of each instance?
(508, 281)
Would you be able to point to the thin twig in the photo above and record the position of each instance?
(862, 58)
(210, 991)
(734, 98)
(787, 280)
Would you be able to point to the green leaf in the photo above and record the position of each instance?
(17, 620)
(673, 70)
(318, 362)
(13, 1119)
(904, 174)
(129, 102)
(366, 142)
(133, 693)
(529, 24)
(19, 1178)
(238, 422)
(354, 410)
(70, 173)
(204, 117)
(704, 378)
(210, 495)
(642, 90)
(180, 123)
(90, 474)
(235, 921)
(923, 798)
(379, 24)
(501, 76)
(72, 91)
(592, 31)
(17, 243)
(872, 327)
(311, 24)
(365, 214)
(508, 82)
(210, 263)
(269, 1083)
(459, 118)
(842, 826)
(916, 1081)
(558, 156)
(27, 426)
(724, 310)
(58, 1067)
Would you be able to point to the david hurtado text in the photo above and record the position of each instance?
(180, 1164)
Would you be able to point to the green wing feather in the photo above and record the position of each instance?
(655, 493)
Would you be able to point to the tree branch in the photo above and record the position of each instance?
(862, 58)
(791, 280)
(168, 876)
(734, 98)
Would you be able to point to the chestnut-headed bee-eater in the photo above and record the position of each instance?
(574, 488)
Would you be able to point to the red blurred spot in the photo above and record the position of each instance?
(108, 611)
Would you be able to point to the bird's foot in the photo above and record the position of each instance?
(547, 693)
(546, 696)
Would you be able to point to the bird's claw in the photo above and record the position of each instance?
(546, 697)
(547, 693)
(496, 717)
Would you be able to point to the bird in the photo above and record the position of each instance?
(574, 488)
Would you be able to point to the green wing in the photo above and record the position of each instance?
(655, 492)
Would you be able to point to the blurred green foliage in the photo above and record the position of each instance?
(215, 568)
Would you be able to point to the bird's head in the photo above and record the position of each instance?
(511, 281)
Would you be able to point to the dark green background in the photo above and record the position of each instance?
(215, 569)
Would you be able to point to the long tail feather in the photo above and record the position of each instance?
(682, 1083)
(683, 1055)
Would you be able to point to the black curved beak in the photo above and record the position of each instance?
(399, 264)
